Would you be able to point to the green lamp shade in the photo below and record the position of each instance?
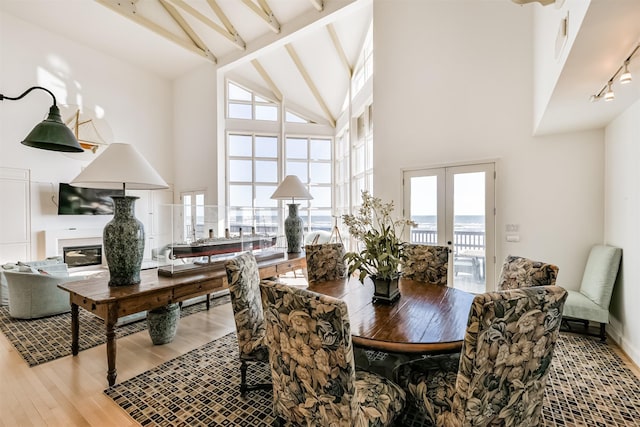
(52, 134)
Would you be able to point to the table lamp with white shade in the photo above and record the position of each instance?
(292, 188)
(121, 166)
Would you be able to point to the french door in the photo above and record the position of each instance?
(192, 215)
(454, 207)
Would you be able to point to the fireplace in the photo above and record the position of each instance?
(81, 256)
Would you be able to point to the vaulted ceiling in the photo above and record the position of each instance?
(301, 50)
(304, 51)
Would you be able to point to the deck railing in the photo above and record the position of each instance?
(462, 240)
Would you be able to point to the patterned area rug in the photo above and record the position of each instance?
(588, 385)
(48, 338)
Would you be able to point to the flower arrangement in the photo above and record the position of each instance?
(382, 251)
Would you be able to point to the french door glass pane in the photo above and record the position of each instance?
(424, 209)
(469, 231)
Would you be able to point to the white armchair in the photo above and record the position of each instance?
(591, 302)
(33, 295)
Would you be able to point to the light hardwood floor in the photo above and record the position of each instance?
(69, 391)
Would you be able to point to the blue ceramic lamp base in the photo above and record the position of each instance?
(293, 229)
(123, 240)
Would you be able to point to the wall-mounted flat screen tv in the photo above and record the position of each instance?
(85, 201)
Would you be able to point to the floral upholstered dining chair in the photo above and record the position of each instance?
(500, 374)
(520, 272)
(244, 289)
(426, 263)
(325, 261)
(315, 382)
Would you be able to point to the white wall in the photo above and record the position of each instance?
(453, 83)
(137, 105)
(622, 229)
(549, 58)
(195, 133)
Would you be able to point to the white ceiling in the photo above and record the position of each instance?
(144, 33)
(609, 31)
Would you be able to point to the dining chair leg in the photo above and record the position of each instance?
(243, 377)
(244, 387)
(603, 336)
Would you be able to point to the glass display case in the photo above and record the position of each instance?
(197, 238)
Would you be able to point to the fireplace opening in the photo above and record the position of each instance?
(80, 256)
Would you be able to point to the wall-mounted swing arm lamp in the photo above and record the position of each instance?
(51, 134)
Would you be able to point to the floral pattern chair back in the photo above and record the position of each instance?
(315, 382)
(519, 272)
(244, 289)
(325, 262)
(500, 375)
(426, 263)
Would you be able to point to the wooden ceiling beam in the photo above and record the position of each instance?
(128, 10)
(336, 43)
(232, 37)
(267, 79)
(314, 90)
(185, 26)
(318, 4)
(264, 12)
(231, 30)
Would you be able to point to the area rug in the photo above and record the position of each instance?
(49, 338)
(588, 385)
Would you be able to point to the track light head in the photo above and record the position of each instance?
(625, 77)
(609, 95)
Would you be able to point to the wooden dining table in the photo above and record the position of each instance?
(428, 318)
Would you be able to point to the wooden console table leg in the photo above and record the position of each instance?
(75, 329)
(208, 301)
(112, 318)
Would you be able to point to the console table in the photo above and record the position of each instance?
(109, 302)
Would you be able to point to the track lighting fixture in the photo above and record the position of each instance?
(625, 77)
(609, 95)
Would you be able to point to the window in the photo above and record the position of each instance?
(342, 173)
(295, 118)
(310, 158)
(252, 170)
(364, 69)
(243, 104)
(260, 153)
(353, 171)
